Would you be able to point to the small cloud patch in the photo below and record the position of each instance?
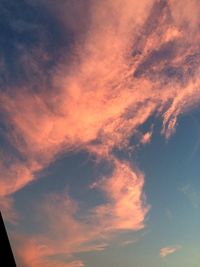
(166, 251)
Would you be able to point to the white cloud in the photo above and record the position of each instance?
(166, 251)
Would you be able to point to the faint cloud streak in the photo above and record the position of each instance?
(166, 251)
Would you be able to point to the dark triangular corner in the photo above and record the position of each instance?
(6, 255)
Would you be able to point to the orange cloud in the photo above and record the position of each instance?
(54, 244)
(32, 254)
(146, 138)
(186, 10)
(118, 77)
(124, 209)
(98, 97)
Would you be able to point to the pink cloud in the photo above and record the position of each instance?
(98, 98)
(146, 138)
(124, 209)
(30, 253)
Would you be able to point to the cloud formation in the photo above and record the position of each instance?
(91, 230)
(166, 251)
(132, 61)
(99, 103)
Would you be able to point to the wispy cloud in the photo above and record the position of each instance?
(136, 60)
(192, 194)
(166, 251)
(124, 209)
(105, 95)
(8, 210)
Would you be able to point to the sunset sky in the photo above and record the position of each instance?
(100, 132)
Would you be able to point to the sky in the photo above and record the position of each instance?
(100, 132)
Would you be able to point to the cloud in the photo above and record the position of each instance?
(8, 210)
(97, 103)
(192, 194)
(146, 138)
(123, 209)
(133, 62)
(186, 13)
(166, 251)
(123, 190)
(56, 241)
(30, 253)
(128, 242)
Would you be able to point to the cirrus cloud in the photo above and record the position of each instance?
(132, 61)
